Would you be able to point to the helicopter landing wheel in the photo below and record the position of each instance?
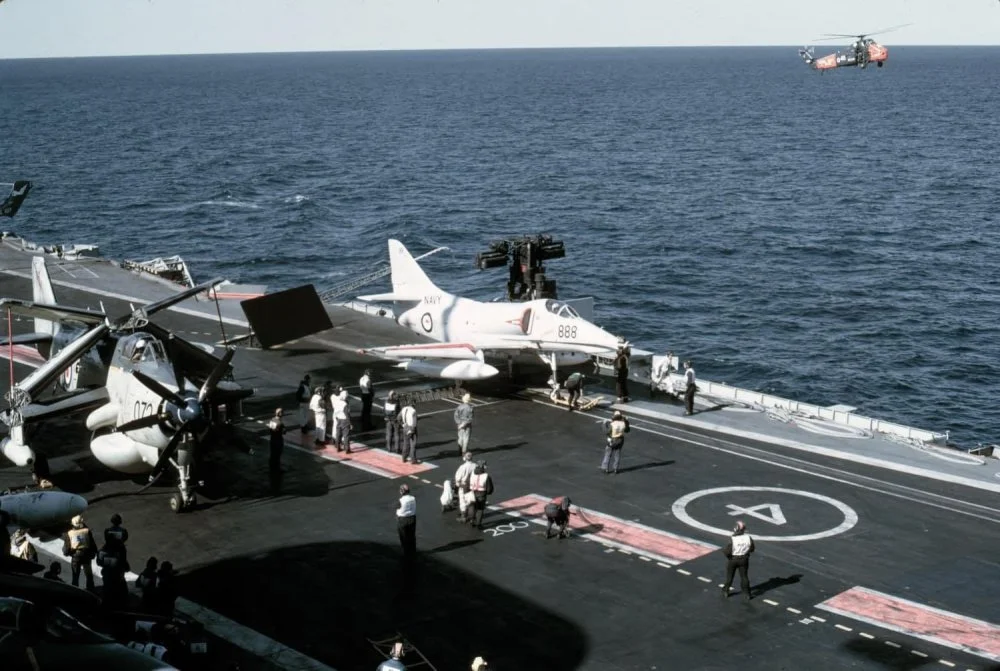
(880, 64)
(176, 504)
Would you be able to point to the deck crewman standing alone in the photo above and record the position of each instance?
(463, 422)
(616, 430)
(406, 522)
(367, 396)
(737, 553)
(302, 396)
(690, 386)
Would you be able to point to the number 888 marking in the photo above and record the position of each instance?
(567, 331)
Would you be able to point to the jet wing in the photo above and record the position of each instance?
(51, 311)
(448, 350)
(529, 344)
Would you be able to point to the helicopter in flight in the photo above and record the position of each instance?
(863, 51)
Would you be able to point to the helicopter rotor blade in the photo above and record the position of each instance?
(159, 389)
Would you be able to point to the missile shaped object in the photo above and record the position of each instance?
(33, 510)
(462, 369)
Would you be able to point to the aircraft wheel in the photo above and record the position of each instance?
(175, 503)
(880, 63)
(192, 501)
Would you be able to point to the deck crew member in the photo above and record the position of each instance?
(616, 430)
(406, 522)
(21, 546)
(463, 483)
(390, 410)
(116, 534)
(341, 421)
(690, 386)
(574, 385)
(80, 546)
(302, 398)
(408, 426)
(55, 568)
(463, 422)
(329, 391)
(661, 375)
(393, 663)
(367, 396)
(737, 553)
(482, 488)
(318, 406)
(557, 513)
(276, 430)
(621, 371)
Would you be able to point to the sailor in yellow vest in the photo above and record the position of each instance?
(482, 488)
(616, 430)
(79, 545)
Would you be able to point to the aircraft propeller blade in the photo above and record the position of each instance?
(152, 308)
(159, 389)
(141, 423)
(169, 451)
(216, 375)
(174, 362)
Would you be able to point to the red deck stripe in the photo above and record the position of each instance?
(632, 536)
(370, 459)
(913, 619)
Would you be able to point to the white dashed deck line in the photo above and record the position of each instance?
(770, 603)
(892, 645)
(683, 572)
(704, 579)
(918, 653)
(868, 636)
(842, 627)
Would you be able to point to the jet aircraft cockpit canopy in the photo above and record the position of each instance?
(142, 347)
(561, 309)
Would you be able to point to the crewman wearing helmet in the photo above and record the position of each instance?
(737, 553)
(615, 430)
(79, 545)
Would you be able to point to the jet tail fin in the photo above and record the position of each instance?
(409, 281)
(41, 287)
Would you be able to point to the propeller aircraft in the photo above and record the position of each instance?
(153, 402)
(465, 330)
(860, 53)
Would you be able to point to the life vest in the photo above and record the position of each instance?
(79, 539)
(617, 429)
(741, 545)
(390, 408)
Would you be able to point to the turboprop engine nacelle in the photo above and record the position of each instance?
(463, 369)
(15, 449)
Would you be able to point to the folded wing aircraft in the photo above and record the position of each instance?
(464, 331)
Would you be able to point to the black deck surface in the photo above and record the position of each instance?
(312, 560)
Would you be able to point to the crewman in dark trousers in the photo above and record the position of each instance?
(557, 513)
(390, 409)
(574, 385)
(276, 428)
(690, 387)
(80, 546)
(302, 396)
(737, 553)
(482, 488)
(408, 425)
(406, 522)
(621, 372)
(367, 396)
(616, 430)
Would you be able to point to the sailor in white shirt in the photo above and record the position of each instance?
(408, 425)
(318, 406)
(690, 386)
(341, 421)
(661, 374)
(406, 522)
(367, 396)
(737, 553)
(463, 482)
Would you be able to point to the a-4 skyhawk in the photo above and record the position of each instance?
(466, 330)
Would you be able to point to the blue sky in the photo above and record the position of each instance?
(43, 28)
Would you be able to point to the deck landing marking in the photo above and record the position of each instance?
(630, 537)
(679, 510)
(369, 459)
(907, 617)
(773, 514)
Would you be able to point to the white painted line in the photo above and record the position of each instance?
(805, 620)
(703, 579)
(683, 572)
(770, 603)
(868, 636)
(252, 641)
(794, 610)
(644, 558)
(917, 653)
(842, 627)
(609, 550)
(625, 552)
(662, 565)
(946, 662)
(893, 645)
(818, 618)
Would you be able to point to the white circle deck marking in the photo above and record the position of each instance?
(679, 510)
